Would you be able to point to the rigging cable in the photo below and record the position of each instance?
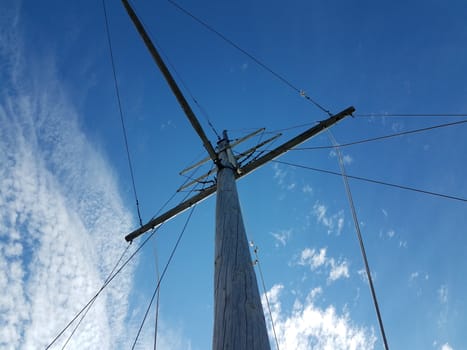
(382, 137)
(360, 239)
(90, 305)
(125, 138)
(163, 274)
(90, 302)
(158, 276)
(253, 58)
(201, 108)
(370, 115)
(111, 277)
(436, 194)
(203, 111)
(256, 262)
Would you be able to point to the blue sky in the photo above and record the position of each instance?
(66, 197)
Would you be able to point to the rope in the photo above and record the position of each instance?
(383, 137)
(369, 115)
(156, 323)
(289, 128)
(374, 181)
(121, 113)
(360, 239)
(201, 108)
(253, 58)
(256, 262)
(113, 274)
(91, 302)
(162, 275)
(203, 111)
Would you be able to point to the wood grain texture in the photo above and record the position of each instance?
(239, 321)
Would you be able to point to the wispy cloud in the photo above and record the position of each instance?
(338, 270)
(347, 159)
(283, 177)
(279, 173)
(62, 217)
(364, 276)
(318, 258)
(311, 257)
(446, 347)
(308, 326)
(443, 294)
(281, 237)
(307, 189)
(417, 275)
(334, 223)
(168, 124)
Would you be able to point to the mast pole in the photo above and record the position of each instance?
(238, 314)
(170, 80)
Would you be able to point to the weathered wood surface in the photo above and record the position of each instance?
(238, 314)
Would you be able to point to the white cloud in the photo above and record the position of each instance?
(62, 219)
(307, 189)
(315, 292)
(316, 259)
(308, 326)
(338, 270)
(313, 258)
(283, 177)
(391, 233)
(364, 276)
(413, 275)
(279, 173)
(345, 158)
(333, 223)
(281, 237)
(168, 338)
(167, 124)
(446, 347)
(443, 294)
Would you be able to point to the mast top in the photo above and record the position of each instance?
(171, 81)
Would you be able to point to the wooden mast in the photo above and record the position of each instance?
(238, 314)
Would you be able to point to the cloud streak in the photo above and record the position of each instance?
(333, 223)
(316, 259)
(308, 326)
(58, 199)
(281, 237)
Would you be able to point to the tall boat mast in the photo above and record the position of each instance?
(239, 321)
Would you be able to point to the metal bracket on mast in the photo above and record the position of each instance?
(238, 159)
(248, 168)
(238, 315)
(233, 144)
(245, 170)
